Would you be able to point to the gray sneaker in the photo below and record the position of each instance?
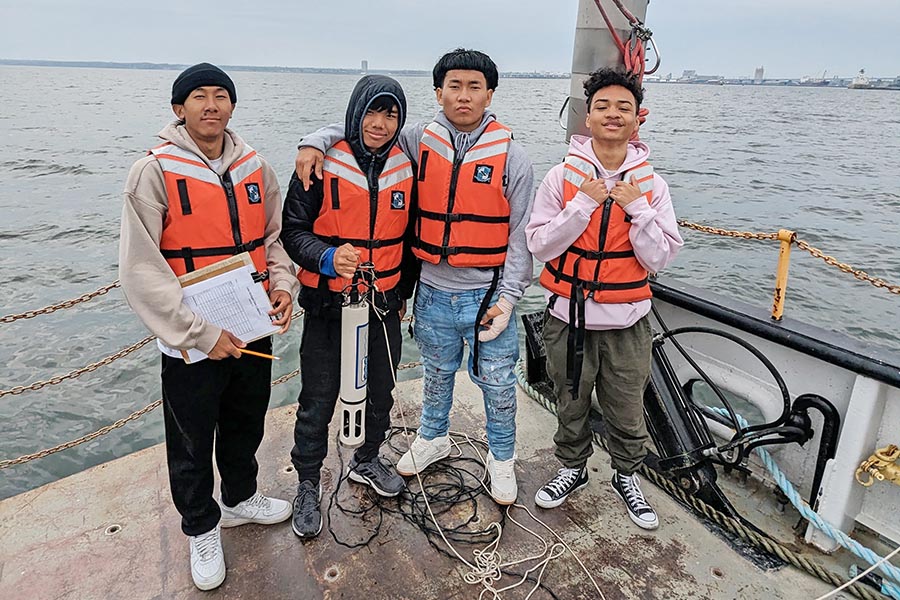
(307, 518)
(379, 474)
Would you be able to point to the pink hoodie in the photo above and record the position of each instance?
(654, 231)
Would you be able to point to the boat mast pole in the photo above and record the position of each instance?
(594, 48)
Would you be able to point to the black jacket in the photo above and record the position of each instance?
(302, 207)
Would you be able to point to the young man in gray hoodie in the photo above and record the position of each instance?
(475, 191)
(199, 197)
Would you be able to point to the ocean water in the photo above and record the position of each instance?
(824, 162)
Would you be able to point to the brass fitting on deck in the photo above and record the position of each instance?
(881, 466)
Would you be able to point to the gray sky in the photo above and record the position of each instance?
(790, 38)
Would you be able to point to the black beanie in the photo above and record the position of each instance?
(199, 76)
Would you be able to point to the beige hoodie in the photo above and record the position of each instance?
(150, 286)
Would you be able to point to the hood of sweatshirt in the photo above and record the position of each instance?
(366, 91)
(636, 153)
(463, 140)
(178, 135)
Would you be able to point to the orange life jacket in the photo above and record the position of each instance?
(601, 262)
(372, 221)
(211, 217)
(463, 214)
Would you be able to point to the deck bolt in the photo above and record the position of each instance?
(113, 529)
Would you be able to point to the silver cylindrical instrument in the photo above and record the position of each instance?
(354, 372)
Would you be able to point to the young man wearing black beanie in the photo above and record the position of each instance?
(199, 197)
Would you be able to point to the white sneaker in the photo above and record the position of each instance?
(256, 509)
(425, 453)
(207, 559)
(503, 479)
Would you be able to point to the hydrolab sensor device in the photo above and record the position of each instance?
(355, 358)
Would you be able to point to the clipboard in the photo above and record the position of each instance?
(224, 293)
(217, 268)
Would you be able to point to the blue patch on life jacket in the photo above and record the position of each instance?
(398, 199)
(253, 193)
(483, 174)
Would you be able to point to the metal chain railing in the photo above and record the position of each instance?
(29, 314)
(137, 415)
(85, 438)
(125, 352)
(802, 244)
(732, 233)
(746, 235)
(78, 372)
(108, 428)
(858, 273)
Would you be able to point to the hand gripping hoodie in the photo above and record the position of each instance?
(654, 235)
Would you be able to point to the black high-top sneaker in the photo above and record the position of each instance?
(558, 489)
(629, 490)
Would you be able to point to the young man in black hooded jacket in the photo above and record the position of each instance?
(357, 213)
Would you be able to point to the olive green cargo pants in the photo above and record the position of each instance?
(617, 362)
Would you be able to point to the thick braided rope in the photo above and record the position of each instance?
(812, 516)
(858, 590)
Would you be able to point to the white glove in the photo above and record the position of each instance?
(499, 322)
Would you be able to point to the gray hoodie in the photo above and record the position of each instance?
(150, 286)
(518, 178)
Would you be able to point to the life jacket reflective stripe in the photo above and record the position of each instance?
(601, 262)
(463, 214)
(211, 217)
(372, 221)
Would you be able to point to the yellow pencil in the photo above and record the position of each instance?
(259, 354)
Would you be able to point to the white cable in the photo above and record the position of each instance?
(488, 562)
(861, 575)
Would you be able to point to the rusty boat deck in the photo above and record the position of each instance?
(112, 532)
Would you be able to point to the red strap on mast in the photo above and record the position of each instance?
(633, 52)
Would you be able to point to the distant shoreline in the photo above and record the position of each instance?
(836, 82)
(319, 70)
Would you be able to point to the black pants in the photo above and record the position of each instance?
(221, 403)
(320, 372)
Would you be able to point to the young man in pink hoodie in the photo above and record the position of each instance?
(602, 222)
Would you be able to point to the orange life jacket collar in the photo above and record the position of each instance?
(211, 217)
(463, 213)
(373, 221)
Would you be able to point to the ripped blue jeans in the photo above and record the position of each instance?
(442, 321)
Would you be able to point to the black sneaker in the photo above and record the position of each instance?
(558, 489)
(629, 490)
(307, 518)
(379, 474)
